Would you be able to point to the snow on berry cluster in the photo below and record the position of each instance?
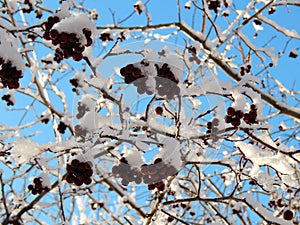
(61, 127)
(164, 80)
(139, 7)
(11, 65)
(72, 35)
(29, 6)
(234, 116)
(106, 35)
(214, 5)
(40, 184)
(244, 70)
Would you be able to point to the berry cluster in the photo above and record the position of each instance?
(122, 36)
(9, 75)
(138, 8)
(212, 126)
(75, 84)
(164, 86)
(44, 119)
(185, 207)
(193, 58)
(131, 73)
(37, 188)
(61, 128)
(95, 205)
(80, 131)
(69, 43)
(165, 72)
(244, 70)
(106, 36)
(29, 7)
(279, 202)
(82, 109)
(257, 22)
(32, 36)
(48, 26)
(250, 117)
(225, 3)
(233, 116)
(38, 13)
(6, 98)
(293, 54)
(192, 50)
(127, 174)
(213, 5)
(94, 14)
(160, 186)
(154, 173)
(79, 173)
(271, 10)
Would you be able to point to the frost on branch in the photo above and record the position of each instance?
(24, 150)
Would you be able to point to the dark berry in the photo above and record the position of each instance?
(257, 22)
(125, 182)
(78, 182)
(280, 203)
(75, 162)
(235, 122)
(138, 180)
(54, 34)
(87, 180)
(253, 107)
(61, 127)
(123, 72)
(151, 186)
(123, 160)
(252, 115)
(227, 119)
(144, 169)
(87, 32)
(288, 215)
(239, 114)
(215, 122)
(159, 110)
(230, 111)
(157, 160)
(246, 117)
